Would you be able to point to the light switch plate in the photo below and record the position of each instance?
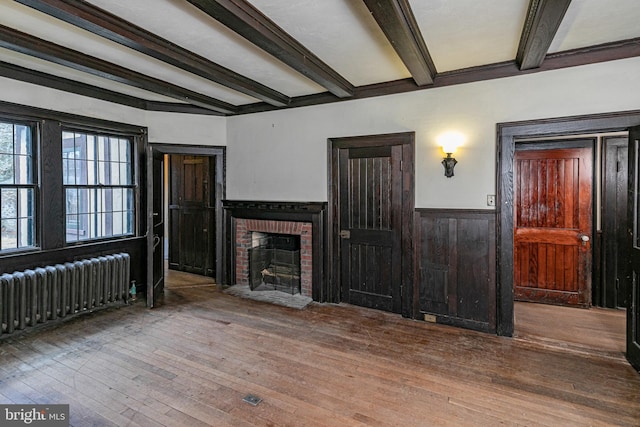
(491, 200)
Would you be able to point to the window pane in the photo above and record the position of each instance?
(9, 233)
(68, 174)
(81, 172)
(125, 174)
(80, 142)
(6, 169)
(114, 149)
(83, 200)
(25, 232)
(6, 138)
(103, 146)
(117, 199)
(72, 202)
(23, 140)
(23, 170)
(9, 203)
(25, 202)
(72, 228)
(115, 174)
(117, 224)
(102, 173)
(125, 150)
(83, 227)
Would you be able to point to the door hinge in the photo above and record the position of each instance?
(401, 165)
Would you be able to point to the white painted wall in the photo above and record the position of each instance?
(169, 128)
(282, 155)
(193, 129)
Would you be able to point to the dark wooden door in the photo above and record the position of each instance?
(615, 187)
(633, 292)
(191, 212)
(553, 225)
(155, 247)
(370, 204)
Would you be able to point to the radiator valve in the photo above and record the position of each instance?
(133, 290)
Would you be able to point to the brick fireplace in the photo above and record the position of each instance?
(303, 219)
(244, 230)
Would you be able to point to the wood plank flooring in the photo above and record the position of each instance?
(597, 331)
(191, 361)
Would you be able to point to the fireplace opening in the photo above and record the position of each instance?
(274, 262)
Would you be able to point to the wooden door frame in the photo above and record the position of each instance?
(507, 134)
(407, 140)
(219, 158)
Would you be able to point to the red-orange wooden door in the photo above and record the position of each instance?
(553, 223)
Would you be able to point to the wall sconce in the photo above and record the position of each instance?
(449, 142)
(449, 163)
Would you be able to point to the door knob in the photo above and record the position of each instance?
(584, 238)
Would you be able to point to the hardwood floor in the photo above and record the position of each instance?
(596, 331)
(191, 361)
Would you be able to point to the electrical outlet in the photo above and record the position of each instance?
(491, 200)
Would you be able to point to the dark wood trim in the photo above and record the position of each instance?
(29, 45)
(507, 134)
(220, 159)
(175, 107)
(104, 24)
(313, 212)
(540, 27)
(571, 58)
(253, 25)
(396, 20)
(407, 140)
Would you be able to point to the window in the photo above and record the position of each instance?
(17, 186)
(98, 180)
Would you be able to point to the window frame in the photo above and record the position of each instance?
(34, 185)
(98, 132)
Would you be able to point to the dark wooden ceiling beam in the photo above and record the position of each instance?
(29, 45)
(104, 24)
(39, 78)
(250, 23)
(396, 20)
(540, 27)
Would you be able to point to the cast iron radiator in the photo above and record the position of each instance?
(48, 293)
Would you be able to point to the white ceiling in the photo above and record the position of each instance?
(458, 33)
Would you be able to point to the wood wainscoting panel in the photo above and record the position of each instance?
(456, 267)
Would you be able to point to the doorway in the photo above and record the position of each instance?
(560, 189)
(508, 135)
(191, 219)
(195, 167)
(372, 198)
